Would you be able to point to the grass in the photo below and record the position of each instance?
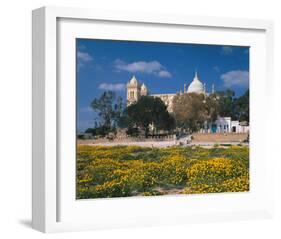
(120, 171)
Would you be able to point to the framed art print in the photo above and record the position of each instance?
(149, 120)
(162, 136)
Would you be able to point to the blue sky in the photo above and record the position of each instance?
(163, 67)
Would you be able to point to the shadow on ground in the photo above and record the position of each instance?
(25, 222)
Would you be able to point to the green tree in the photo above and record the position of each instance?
(189, 111)
(150, 110)
(212, 107)
(118, 111)
(192, 110)
(226, 103)
(108, 108)
(241, 107)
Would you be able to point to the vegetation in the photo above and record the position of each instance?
(109, 109)
(226, 103)
(149, 111)
(241, 105)
(118, 171)
(236, 108)
(192, 110)
(101, 131)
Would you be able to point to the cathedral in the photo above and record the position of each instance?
(222, 125)
(135, 90)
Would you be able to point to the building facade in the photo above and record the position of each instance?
(225, 125)
(135, 90)
(222, 125)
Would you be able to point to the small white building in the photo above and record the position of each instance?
(225, 125)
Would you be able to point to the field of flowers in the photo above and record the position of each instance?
(120, 171)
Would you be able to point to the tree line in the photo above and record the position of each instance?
(190, 112)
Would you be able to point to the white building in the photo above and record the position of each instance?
(225, 125)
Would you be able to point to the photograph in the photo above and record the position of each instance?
(161, 118)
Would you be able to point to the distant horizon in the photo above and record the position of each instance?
(163, 67)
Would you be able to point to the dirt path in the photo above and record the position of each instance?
(156, 144)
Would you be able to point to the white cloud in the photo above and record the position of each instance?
(164, 73)
(226, 50)
(235, 78)
(84, 56)
(112, 87)
(148, 67)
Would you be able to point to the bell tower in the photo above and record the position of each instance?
(133, 90)
(143, 91)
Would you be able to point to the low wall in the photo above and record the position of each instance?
(219, 137)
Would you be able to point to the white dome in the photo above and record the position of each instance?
(195, 86)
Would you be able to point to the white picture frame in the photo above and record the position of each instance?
(53, 206)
